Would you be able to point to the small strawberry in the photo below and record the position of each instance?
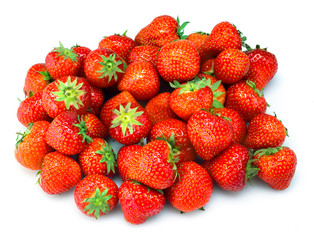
(31, 110)
(31, 146)
(97, 99)
(61, 62)
(198, 40)
(67, 94)
(94, 127)
(82, 52)
(144, 53)
(208, 66)
(139, 202)
(192, 190)
(209, 134)
(129, 123)
(228, 169)
(96, 195)
(141, 80)
(265, 131)
(178, 61)
(59, 173)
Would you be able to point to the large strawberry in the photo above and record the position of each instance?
(145, 53)
(61, 62)
(178, 61)
(192, 190)
(96, 195)
(139, 202)
(31, 146)
(59, 173)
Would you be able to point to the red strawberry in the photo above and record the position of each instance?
(97, 100)
(276, 166)
(61, 62)
(129, 123)
(158, 108)
(231, 65)
(67, 94)
(198, 39)
(31, 147)
(178, 61)
(67, 133)
(208, 66)
(104, 67)
(246, 99)
(98, 158)
(139, 202)
(31, 110)
(228, 169)
(141, 80)
(263, 67)
(145, 53)
(82, 52)
(265, 131)
(209, 134)
(96, 195)
(121, 44)
(94, 127)
(59, 173)
(37, 78)
(192, 190)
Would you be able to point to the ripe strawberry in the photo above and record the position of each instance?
(104, 67)
(31, 110)
(209, 134)
(231, 65)
(141, 80)
(98, 157)
(97, 99)
(67, 133)
(246, 99)
(121, 44)
(178, 61)
(192, 190)
(31, 146)
(208, 66)
(228, 169)
(67, 94)
(276, 166)
(263, 66)
(37, 78)
(139, 202)
(61, 62)
(96, 195)
(129, 123)
(265, 131)
(59, 173)
(82, 52)
(158, 108)
(94, 127)
(145, 53)
(198, 40)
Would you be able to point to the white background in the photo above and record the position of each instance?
(30, 29)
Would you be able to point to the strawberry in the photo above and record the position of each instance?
(139, 202)
(121, 44)
(158, 108)
(276, 166)
(67, 133)
(82, 52)
(231, 65)
(59, 173)
(145, 53)
(192, 190)
(94, 127)
(228, 169)
(265, 131)
(141, 80)
(31, 146)
(178, 61)
(246, 99)
(263, 66)
(198, 40)
(104, 67)
(97, 99)
(31, 110)
(67, 94)
(98, 157)
(209, 134)
(208, 66)
(61, 62)
(129, 123)
(96, 195)
(37, 78)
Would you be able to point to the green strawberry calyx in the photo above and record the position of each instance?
(126, 118)
(180, 29)
(83, 130)
(66, 53)
(268, 151)
(98, 203)
(108, 156)
(69, 92)
(20, 136)
(110, 67)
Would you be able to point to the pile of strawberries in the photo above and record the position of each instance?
(188, 109)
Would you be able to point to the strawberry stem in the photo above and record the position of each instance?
(110, 67)
(66, 53)
(108, 156)
(83, 130)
